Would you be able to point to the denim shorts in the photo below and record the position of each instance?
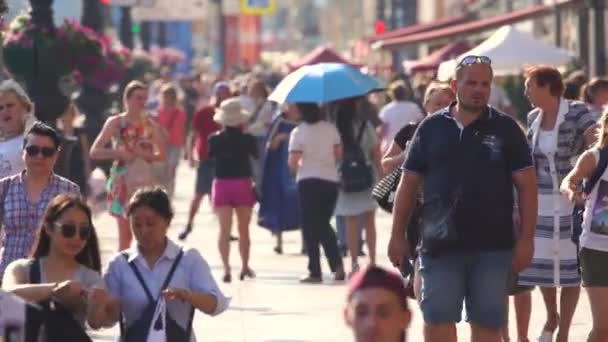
(477, 278)
(204, 177)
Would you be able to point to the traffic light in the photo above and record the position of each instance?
(380, 27)
(105, 2)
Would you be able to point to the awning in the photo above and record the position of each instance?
(475, 26)
(417, 28)
(505, 47)
(432, 61)
(321, 54)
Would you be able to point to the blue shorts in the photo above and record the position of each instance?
(477, 278)
(204, 177)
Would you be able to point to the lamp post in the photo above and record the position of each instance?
(599, 6)
(583, 34)
(162, 34)
(92, 15)
(50, 102)
(126, 27)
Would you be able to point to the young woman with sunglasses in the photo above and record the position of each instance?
(26, 195)
(66, 259)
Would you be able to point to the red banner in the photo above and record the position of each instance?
(232, 42)
(250, 40)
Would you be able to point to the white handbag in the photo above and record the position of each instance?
(159, 322)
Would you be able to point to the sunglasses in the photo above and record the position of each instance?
(469, 60)
(7, 106)
(69, 231)
(33, 150)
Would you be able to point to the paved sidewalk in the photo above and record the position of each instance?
(274, 307)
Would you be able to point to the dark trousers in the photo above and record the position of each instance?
(317, 203)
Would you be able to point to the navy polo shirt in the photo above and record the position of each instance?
(479, 161)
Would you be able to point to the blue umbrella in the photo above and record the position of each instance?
(324, 82)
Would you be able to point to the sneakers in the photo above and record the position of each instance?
(340, 275)
(311, 279)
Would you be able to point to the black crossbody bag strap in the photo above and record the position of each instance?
(141, 281)
(599, 171)
(140, 278)
(172, 270)
(361, 131)
(147, 290)
(34, 271)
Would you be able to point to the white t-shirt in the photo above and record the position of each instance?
(11, 161)
(396, 115)
(316, 142)
(595, 218)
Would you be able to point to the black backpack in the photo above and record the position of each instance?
(356, 173)
(138, 330)
(59, 322)
(579, 210)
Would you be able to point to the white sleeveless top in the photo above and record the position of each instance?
(595, 218)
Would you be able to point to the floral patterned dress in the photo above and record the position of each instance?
(126, 178)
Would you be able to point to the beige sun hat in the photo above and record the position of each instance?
(231, 113)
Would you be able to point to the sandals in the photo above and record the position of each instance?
(227, 278)
(248, 273)
(184, 234)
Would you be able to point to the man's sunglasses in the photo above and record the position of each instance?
(469, 60)
(69, 231)
(33, 150)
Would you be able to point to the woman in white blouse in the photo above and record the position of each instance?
(155, 266)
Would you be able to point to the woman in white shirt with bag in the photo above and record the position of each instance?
(593, 241)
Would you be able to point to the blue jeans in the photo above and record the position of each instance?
(341, 227)
(478, 278)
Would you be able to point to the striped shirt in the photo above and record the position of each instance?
(22, 217)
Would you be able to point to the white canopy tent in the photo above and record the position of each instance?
(510, 50)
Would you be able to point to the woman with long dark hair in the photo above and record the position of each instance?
(358, 208)
(66, 260)
(314, 149)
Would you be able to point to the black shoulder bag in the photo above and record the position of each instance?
(385, 189)
(138, 331)
(579, 209)
(59, 322)
(356, 174)
(439, 232)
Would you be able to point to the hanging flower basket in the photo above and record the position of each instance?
(85, 46)
(109, 73)
(33, 53)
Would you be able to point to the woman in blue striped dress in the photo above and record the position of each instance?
(559, 130)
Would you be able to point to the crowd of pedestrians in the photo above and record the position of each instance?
(484, 203)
